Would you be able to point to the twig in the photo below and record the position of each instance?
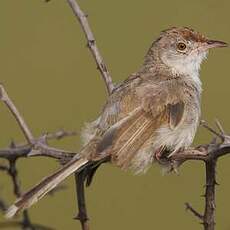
(205, 125)
(42, 149)
(82, 214)
(24, 150)
(210, 154)
(82, 18)
(21, 122)
(219, 126)
(12, 171)
(38, 147)
(194, 212)
(25, 223)
(14, 152)
(209, 213)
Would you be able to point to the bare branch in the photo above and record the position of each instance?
(190, 154)
(209, 213)
(13, 173)
(220, 127)
(209, 154)
(40, 148)
(82, 18)
(82, 214)
(21, 122)
(193, 211)
(210, 129)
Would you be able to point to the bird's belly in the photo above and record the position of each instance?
(174, 139)
(181, 137)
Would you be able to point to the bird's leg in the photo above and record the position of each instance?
(162, 156)
(158, 153)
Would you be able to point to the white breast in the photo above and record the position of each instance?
(173, 139)
(180, 137)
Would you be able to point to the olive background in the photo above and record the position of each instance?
(51, 76)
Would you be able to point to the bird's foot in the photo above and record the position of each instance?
(158, 154)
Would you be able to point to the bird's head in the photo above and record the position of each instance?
(183, 49)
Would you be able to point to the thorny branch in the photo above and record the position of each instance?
(25, 223)
(25, 150)
(91, 43)
(82, 18)
(8, 102)
(193, 211)
(35, 147)
(209, 153)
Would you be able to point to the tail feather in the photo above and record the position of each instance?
(45, 186)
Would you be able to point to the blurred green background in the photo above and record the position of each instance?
(52, 78)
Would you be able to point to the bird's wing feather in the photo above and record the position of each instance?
(156, 107)
(175, 112)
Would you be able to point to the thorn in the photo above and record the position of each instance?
(76, 217)
(80, 218)
(193, 211)
(12, 144)
(207, 185)
(91, 42)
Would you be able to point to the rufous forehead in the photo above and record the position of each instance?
(187, 33)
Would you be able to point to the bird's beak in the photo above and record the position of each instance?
(214, 43)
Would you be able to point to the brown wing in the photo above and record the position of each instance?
(175, 112)
(132, 136)
(139, 112)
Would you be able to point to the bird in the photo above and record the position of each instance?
(148, 117)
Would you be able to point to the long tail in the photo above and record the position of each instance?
(45, 186)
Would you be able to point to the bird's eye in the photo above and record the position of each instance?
(181, 46)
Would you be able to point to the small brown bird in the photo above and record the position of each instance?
(153, 113)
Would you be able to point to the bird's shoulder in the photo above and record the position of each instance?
(151, 93)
